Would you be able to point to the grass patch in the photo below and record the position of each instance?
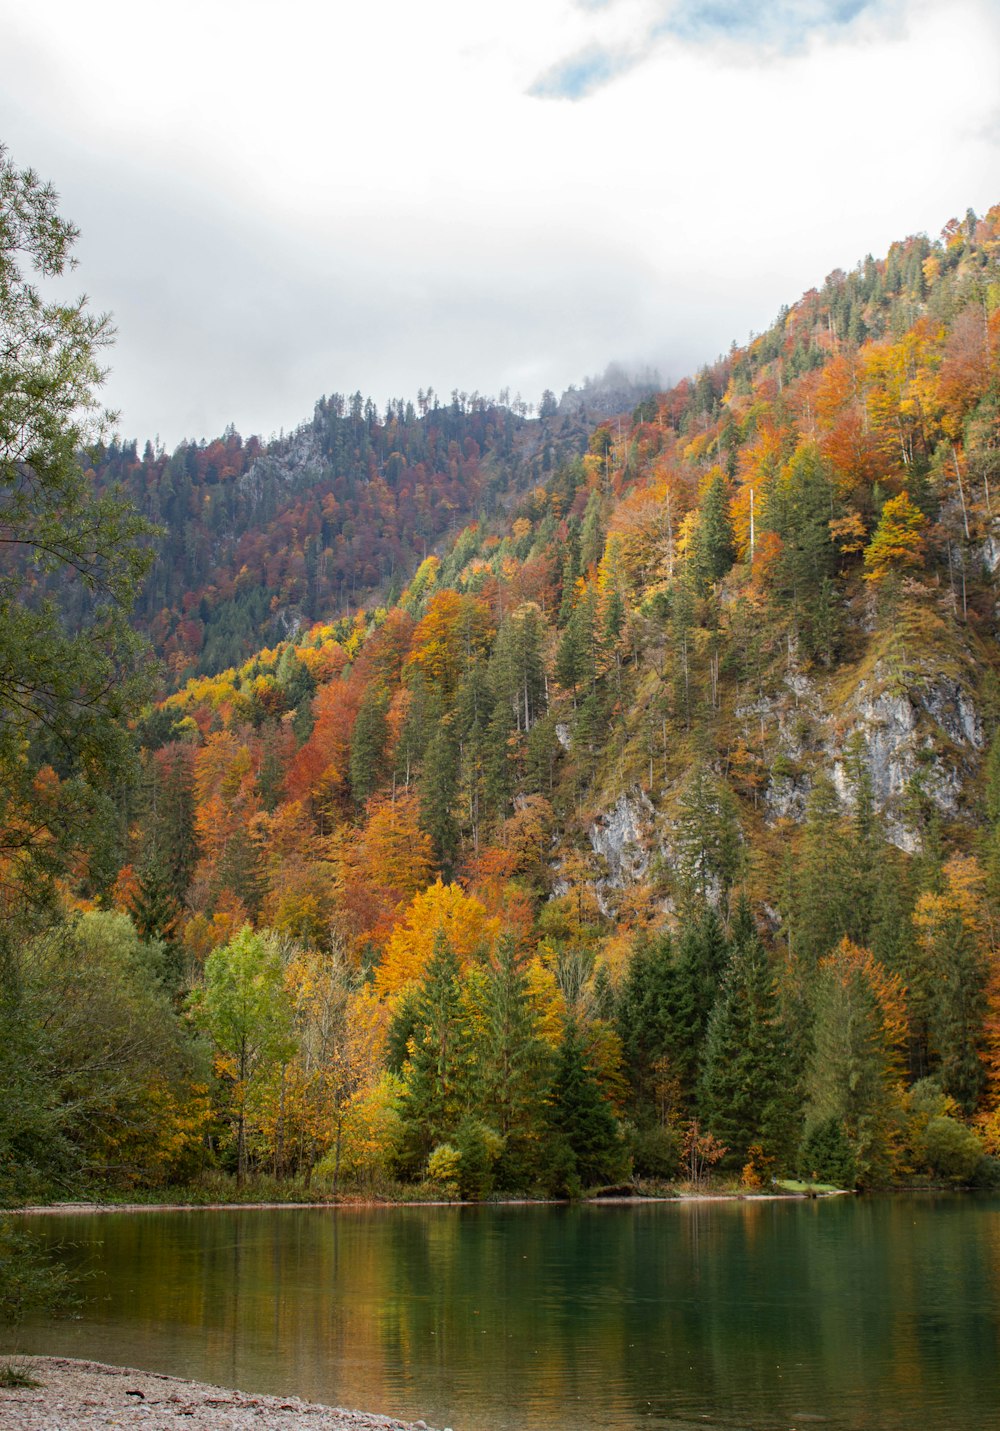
(14, 1375)
(796, 1185)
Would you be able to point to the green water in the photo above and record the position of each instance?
(848, 1313)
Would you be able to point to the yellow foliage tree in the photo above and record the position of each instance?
(439, 909)
(897, 544)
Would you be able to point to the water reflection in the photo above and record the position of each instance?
(874, 1314)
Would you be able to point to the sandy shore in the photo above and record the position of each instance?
(88, 1396)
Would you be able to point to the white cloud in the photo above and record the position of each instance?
(278, 202)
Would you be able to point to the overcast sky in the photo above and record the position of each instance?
(284, 200)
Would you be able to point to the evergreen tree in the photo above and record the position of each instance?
(438, 794)
(586, 1144)
(512, 1065)
(826, 1155)
(592, 532)
(823, 906)
(746, 1095)
(369, 746)
(799, 508)
(637, 1013)
(701, 965)
(712, 549)
(437, 1075)
(707, 835)
(576, 654)
(852, 1073)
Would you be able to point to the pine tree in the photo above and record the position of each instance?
(438, 795)
(746, 1095)
(712, 550)
(512, 1065)
(369, 743)
(587, 1147)
(437, 1075)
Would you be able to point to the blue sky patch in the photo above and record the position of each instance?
(581, 74)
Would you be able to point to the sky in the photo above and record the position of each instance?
(278, 202)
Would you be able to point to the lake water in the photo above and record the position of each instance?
(881, 1314)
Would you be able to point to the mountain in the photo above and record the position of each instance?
(259, 538)
(681, 731)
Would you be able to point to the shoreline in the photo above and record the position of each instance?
(67, 1209)
(78, 1395)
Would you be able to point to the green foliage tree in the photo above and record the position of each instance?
(369, 746)
(97, 1063)
(799, 508)
(65, 688)
(824, 901)
(708, 835)
(852, 1073)
(438, 795)
(587, 1146)
(712, 548)
(437, 1074)
(747, 1096)
(244, 1009)
(826, 1155)
(512, 1063)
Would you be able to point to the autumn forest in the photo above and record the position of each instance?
(457, 800)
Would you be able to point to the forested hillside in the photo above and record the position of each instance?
(256, 539)
(655, 827)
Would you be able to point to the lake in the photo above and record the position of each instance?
(874, 1313)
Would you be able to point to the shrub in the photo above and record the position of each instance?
(826, 1156)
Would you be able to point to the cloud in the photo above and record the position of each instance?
(582, 74)
(784, 26)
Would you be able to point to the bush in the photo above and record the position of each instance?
(655, 1151)
(443, 1169)
(826, 1155)
(479, 1147)
(948, 1149)
(29, 1281)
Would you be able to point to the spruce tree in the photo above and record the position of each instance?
(746, 1094)
(437, 1075)
(438, 794)
(513, 1065)
(713, 550)
(702, 960)
(587, 1148)
(369, 743)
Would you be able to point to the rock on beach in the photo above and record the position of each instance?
(89, 1396)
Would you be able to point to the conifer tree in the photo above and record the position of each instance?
(853, 1070)
(712, 550)
(702, 961)
(437, 1075)
(438, 794)
(369, 746)
(824, 907)
(513, 1065)
(708, 835)
(587, 1147)
(746, 1094)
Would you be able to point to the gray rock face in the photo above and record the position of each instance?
(900, 730)
(622, 837)
(298, 458)
(931, 731)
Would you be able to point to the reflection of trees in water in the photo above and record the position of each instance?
(866, 1311)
